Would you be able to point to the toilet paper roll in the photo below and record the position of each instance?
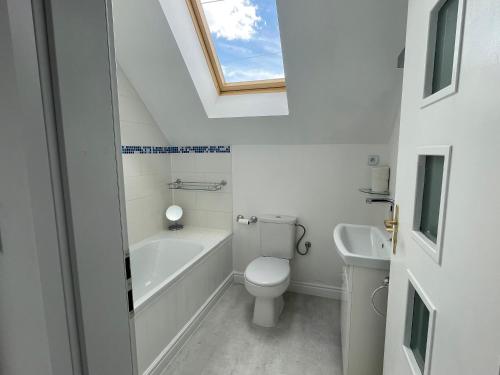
(380, 179)
(244, 221)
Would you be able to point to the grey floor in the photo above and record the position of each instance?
(306, 340)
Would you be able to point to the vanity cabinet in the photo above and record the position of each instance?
(362, 329)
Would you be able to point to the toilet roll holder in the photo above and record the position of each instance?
(251, 219)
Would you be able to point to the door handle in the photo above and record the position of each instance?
(389, 223)
(392, 226)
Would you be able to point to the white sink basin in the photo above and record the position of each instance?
(363, 245)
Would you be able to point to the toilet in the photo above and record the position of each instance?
(268, 276)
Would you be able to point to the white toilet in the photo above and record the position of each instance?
(268, 276)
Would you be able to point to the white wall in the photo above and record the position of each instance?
(201, 208)
(393, 155)
(146, 175)
(318, 184)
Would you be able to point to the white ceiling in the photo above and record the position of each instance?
(340, 65)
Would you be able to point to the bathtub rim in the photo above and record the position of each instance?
(180, 273)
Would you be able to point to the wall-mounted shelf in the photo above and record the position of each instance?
(369, 191)
(196, 185)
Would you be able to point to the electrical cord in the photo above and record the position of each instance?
(307, 244)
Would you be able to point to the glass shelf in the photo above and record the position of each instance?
(196, 185)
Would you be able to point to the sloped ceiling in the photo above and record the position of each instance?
(340, 65)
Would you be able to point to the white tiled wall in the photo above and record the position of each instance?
(146, 175)
(205, 209)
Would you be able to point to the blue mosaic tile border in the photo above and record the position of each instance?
(175, 149)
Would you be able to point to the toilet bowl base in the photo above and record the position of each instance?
(267, 311)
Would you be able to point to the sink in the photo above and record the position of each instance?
(363, 245)
(366, 252)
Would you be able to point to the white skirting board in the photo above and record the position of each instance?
(319, 290)
(167, 354)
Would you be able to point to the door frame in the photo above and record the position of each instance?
(85, 91)
(28, 50)
(65, 70)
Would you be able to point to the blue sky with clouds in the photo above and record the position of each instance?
(246, 37)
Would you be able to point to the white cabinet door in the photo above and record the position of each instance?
(362, 328)
(345, 315)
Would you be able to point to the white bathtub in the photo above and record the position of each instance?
(174, 274)
(156, 262)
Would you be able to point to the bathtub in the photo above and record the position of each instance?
(156, 262)
(175, 275)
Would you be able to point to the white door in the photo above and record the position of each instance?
(444, 298)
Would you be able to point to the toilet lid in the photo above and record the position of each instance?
(268, 271)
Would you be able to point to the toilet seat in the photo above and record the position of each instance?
(268, 271)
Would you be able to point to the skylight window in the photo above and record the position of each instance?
(241, 41)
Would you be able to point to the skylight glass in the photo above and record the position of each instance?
(246, 37)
